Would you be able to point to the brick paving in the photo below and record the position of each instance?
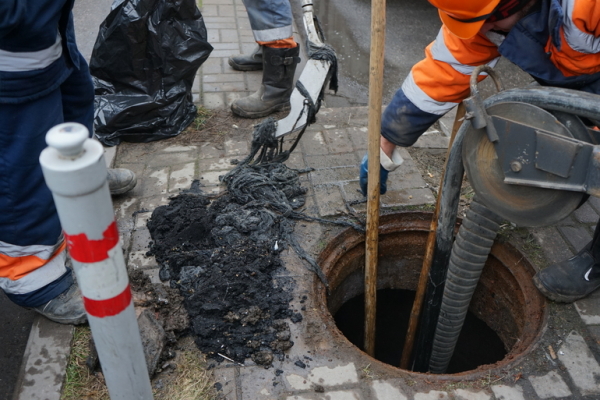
(164, 169)
(333, 147)
(218, 85)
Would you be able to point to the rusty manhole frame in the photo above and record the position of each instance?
(534, 304)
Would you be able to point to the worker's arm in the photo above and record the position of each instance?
(575, 48)
(11, 14)
(434, 86)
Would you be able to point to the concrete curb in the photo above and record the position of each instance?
(43, 370)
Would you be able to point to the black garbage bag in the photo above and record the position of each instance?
(143, 66)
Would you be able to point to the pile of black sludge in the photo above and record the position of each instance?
(223, 254)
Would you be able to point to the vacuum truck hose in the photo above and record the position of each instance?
(469, 254)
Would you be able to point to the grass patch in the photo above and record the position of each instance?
(202, 117)
(79, 382)
(189, 380)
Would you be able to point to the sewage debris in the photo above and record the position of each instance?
(222, 253)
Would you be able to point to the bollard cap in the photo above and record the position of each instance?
(68, 139)
(73, 164)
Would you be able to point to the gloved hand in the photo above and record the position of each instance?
(387, 164)
(364, 177)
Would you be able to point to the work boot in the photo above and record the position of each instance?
(569, 280)
(252, 62)
(277, 85)
(66, 308)
(120, 180)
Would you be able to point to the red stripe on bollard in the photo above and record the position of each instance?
(90, 251)
(108, 307)
(75, 171)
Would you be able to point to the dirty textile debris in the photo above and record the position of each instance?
(223, 255)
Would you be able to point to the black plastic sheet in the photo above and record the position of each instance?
(143, 65)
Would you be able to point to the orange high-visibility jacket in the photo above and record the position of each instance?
(557, 43)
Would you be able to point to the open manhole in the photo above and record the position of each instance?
(505, 318)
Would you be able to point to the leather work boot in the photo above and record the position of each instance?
(569, 280)
(252, 62)
(66, 308)
(120, 180)
(277, 85)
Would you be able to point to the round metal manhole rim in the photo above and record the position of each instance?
(522, 270)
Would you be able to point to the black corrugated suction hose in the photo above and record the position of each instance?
(469, 254)
(569, 101)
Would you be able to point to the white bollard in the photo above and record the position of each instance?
(75, 172)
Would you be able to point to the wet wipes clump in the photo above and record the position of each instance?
(222, 253)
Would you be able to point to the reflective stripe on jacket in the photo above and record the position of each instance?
(31, 27)
(441, 80)
(578, 51)
(24, 269)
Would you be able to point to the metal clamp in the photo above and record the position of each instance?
(475, 109)
(313, 31)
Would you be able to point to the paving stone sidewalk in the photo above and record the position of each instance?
(333, 147)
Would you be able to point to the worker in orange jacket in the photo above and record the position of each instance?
(556, 42)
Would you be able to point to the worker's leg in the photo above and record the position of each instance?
(271, 22)
(248, 62)
(574, 278)
(32, 249)
(77, 96)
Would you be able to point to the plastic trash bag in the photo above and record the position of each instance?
(143, 66)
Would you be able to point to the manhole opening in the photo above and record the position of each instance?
(505, 317)
(477, 344)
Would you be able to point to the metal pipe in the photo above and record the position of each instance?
(309, 23)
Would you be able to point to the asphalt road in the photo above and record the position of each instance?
(410, 26)
(16, 324)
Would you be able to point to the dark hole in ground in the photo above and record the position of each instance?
(477, 344)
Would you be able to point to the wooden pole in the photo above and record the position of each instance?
(427, 258)
(372, 236)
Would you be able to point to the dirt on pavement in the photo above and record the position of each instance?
(225, 276)
(221, 254)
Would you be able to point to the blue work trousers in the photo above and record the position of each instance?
(28, 218)
(270, 19)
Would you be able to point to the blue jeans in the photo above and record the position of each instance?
(270, 19)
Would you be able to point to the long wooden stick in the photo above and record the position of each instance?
(372, 236)
(427, 258)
